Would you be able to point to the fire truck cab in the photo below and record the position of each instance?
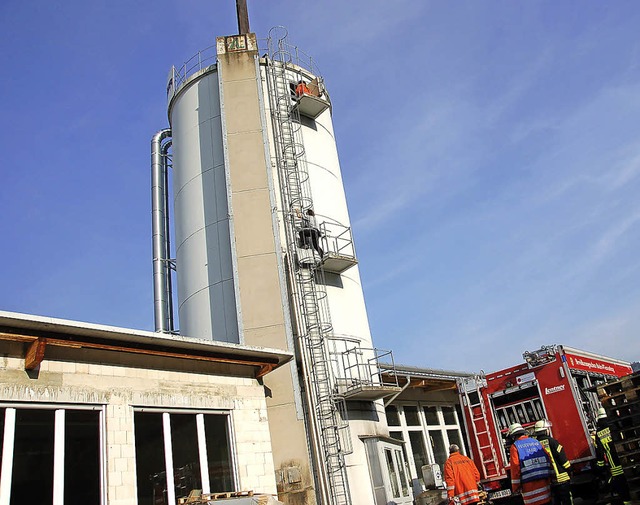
(555, 382)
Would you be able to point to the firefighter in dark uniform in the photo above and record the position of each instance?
(608, 458)
(561, 479)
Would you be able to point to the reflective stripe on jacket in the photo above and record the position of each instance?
(559, 461)
(534, 492)
(604, 443)
(462, 477)
(534, 462)
(536, 495)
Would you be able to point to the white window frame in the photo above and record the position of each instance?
(202, 447)
(8, 446)
(426, 429)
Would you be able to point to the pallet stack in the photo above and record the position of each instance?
(197, 498)
(621, 400)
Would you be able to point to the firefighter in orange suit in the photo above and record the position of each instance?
(302, 89)
(462, 478)
(530, 467)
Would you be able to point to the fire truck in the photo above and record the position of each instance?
(555, 382)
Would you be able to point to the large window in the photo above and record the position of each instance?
(178, 452)
(427, 430)
(51, 455)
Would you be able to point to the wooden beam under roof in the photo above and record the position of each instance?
(37, 344)
(424, 383)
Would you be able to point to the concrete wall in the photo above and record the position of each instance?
(365, 419)
(121, 386)
(260, 272)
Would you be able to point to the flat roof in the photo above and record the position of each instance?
(431, 373)
(131, 340)
(425, 379)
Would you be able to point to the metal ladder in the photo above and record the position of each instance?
(480, 427)
(310, 298)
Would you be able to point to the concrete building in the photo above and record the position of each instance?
(98, 414)
(425, 416)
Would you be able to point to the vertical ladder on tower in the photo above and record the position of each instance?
(479, 428)
(311, 307)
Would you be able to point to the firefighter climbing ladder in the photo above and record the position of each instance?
(481, 432)
(313, 320)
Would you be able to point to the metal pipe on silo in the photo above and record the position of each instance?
(161, 277)
(168, 264)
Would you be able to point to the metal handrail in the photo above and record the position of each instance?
(276, 43)
(178, 76)
(208, 56)
(337, 238)
(361, 366)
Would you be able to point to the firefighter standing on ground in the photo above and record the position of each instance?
(561, 480)
(462, 478)
(530, 467)
(607, 457)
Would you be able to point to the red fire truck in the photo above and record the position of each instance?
(555, 382)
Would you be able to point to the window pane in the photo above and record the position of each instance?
(396, 434)
(393, 419)
(150, 470)
(393, 477)
(449, 415)
(454, 438)
(401, 473)
(432, 415)
(82, 457)
(439, 451)
(411, 415)
(32, 478)
(218, 453)
(419, 450)
(461, 426)
(186, 460)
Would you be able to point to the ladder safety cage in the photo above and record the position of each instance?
(309, 296)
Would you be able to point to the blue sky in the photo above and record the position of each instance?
(490, 152)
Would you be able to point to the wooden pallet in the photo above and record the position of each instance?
(627, 446)
(626, 433)
(196, 498)
(623, 384)
(633, 483)
(621, 398)
(624, 416)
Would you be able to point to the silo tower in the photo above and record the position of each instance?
(264, 256)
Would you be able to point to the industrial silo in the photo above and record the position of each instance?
(264, 253)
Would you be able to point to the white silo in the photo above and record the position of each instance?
(264, 254)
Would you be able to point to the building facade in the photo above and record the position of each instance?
(97, 414)
(426, 418)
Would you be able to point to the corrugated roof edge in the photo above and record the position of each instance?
(424, 372)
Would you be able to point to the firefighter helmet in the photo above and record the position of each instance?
(602, 414)
(541, 426)
(515, 429)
